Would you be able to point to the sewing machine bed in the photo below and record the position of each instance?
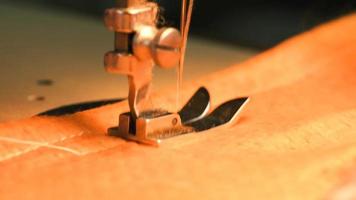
(295, 139)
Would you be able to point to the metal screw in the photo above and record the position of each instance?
(166, 47)
(45, 82)
(34, 97)
(174, 121)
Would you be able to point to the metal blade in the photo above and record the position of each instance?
(224, 114)
(197, 107)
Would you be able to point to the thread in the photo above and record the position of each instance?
(40, 144)
(186, 17)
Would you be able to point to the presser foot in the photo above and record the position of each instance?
(150, 129)
(154, 126)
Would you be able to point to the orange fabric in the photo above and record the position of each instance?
(294, 139)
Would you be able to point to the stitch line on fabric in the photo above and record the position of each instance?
(36, 145)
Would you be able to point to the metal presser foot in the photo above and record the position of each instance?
(139, 45)
(154, 126)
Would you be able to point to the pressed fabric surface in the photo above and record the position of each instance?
(294, 140)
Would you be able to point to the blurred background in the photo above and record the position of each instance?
(253, 23)
(51, 51)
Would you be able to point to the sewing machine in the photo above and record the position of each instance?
(295, 139)
(139, 45)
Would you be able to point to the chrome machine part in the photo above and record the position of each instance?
(155, 126)
(139, 45)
